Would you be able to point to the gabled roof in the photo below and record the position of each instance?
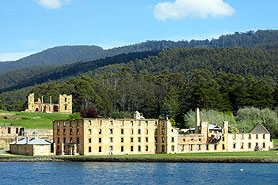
(32, 141)
(259, 129)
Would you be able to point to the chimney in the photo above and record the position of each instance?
(27, 140)
(197, 120)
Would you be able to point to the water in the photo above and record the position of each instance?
(136, 173)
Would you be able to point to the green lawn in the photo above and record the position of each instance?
(259, 154)
(33, 120)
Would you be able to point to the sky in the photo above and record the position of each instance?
(30, 26)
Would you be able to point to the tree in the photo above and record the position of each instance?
(1, 106)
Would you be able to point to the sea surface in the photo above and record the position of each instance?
(136, 173)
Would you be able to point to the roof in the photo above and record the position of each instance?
(214, 127)
(259, 129)
(32, 141)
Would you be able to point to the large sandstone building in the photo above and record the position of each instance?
(64, 104)
(98, 136)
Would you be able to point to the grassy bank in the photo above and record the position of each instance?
(31, 120)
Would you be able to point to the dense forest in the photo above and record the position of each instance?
(171, 81)
(71, 54)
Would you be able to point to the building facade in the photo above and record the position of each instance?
(64, 104)
(32, 146)
(105, 136)
(100, 136)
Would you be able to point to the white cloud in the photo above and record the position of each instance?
(192, 8)
(53, 4)
(14, 56)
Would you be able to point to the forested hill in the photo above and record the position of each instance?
(71, 54)
(261, 63)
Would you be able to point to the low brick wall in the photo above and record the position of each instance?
(145, 160)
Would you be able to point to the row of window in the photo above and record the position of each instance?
(70, 140)
(122, 131)
(70, 123)
(132, 148)
(249, 145)
(71, 131)
(249, 136)
(111, 123)
(122, 140)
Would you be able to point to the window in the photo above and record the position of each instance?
(263, 145)
(111, 131)
(131, 131)
(90, 149)
(99, 149)
(234, 137)
(131, 139)
(131, 123)
(146, 123)
(249, 145)
(147, 148)
(122, 139)
(191, 147)
(207, 147)
(223, 146)
(65, 140)
(155, 123)
(77, 140)
(58, 124)
(100, 122)
(99, 131)
(147, 139)
(139, 148)
(263, 136)
(58, 140)
(131, 148)
(99, 140)
(199, 139)
(64, 124)
(111, 123)
(234, 145)
(77, 131)
(122, 148)
(155, 148)
(215, 147)
(111, 148)
(257, 136)
(89, 122)
(90, 140)
(173, 139)
(199, 147)
(155, 131)
(257, 144)
(71, 140)
(70, 124)
(139, 131)
(58, 131)
(162, 148)
(173, 148)
(172, 130)
(111, 139)
(249, 136)
(64, 131)
(147, 131)
(90, 131)
(139, 139)
(155, 139)
(242, 136)
(223, 138)
(122, 131)
(65, 99)
(70, 131)
(163, 140)
(77, 123)
(162, 123)
(242, 146)
(163, 131)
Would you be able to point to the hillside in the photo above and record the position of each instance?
(71, 54)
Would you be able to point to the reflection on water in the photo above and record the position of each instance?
(136, 173)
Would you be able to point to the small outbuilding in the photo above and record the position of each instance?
(31, 146)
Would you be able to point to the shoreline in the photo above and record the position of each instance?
(141, 160)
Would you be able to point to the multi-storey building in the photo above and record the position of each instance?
(100, 136)
(105, 136)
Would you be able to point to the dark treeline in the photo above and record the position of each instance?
(72, 54)
(172, 94)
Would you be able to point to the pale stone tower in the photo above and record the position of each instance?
(31, 102)
(65, 103)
